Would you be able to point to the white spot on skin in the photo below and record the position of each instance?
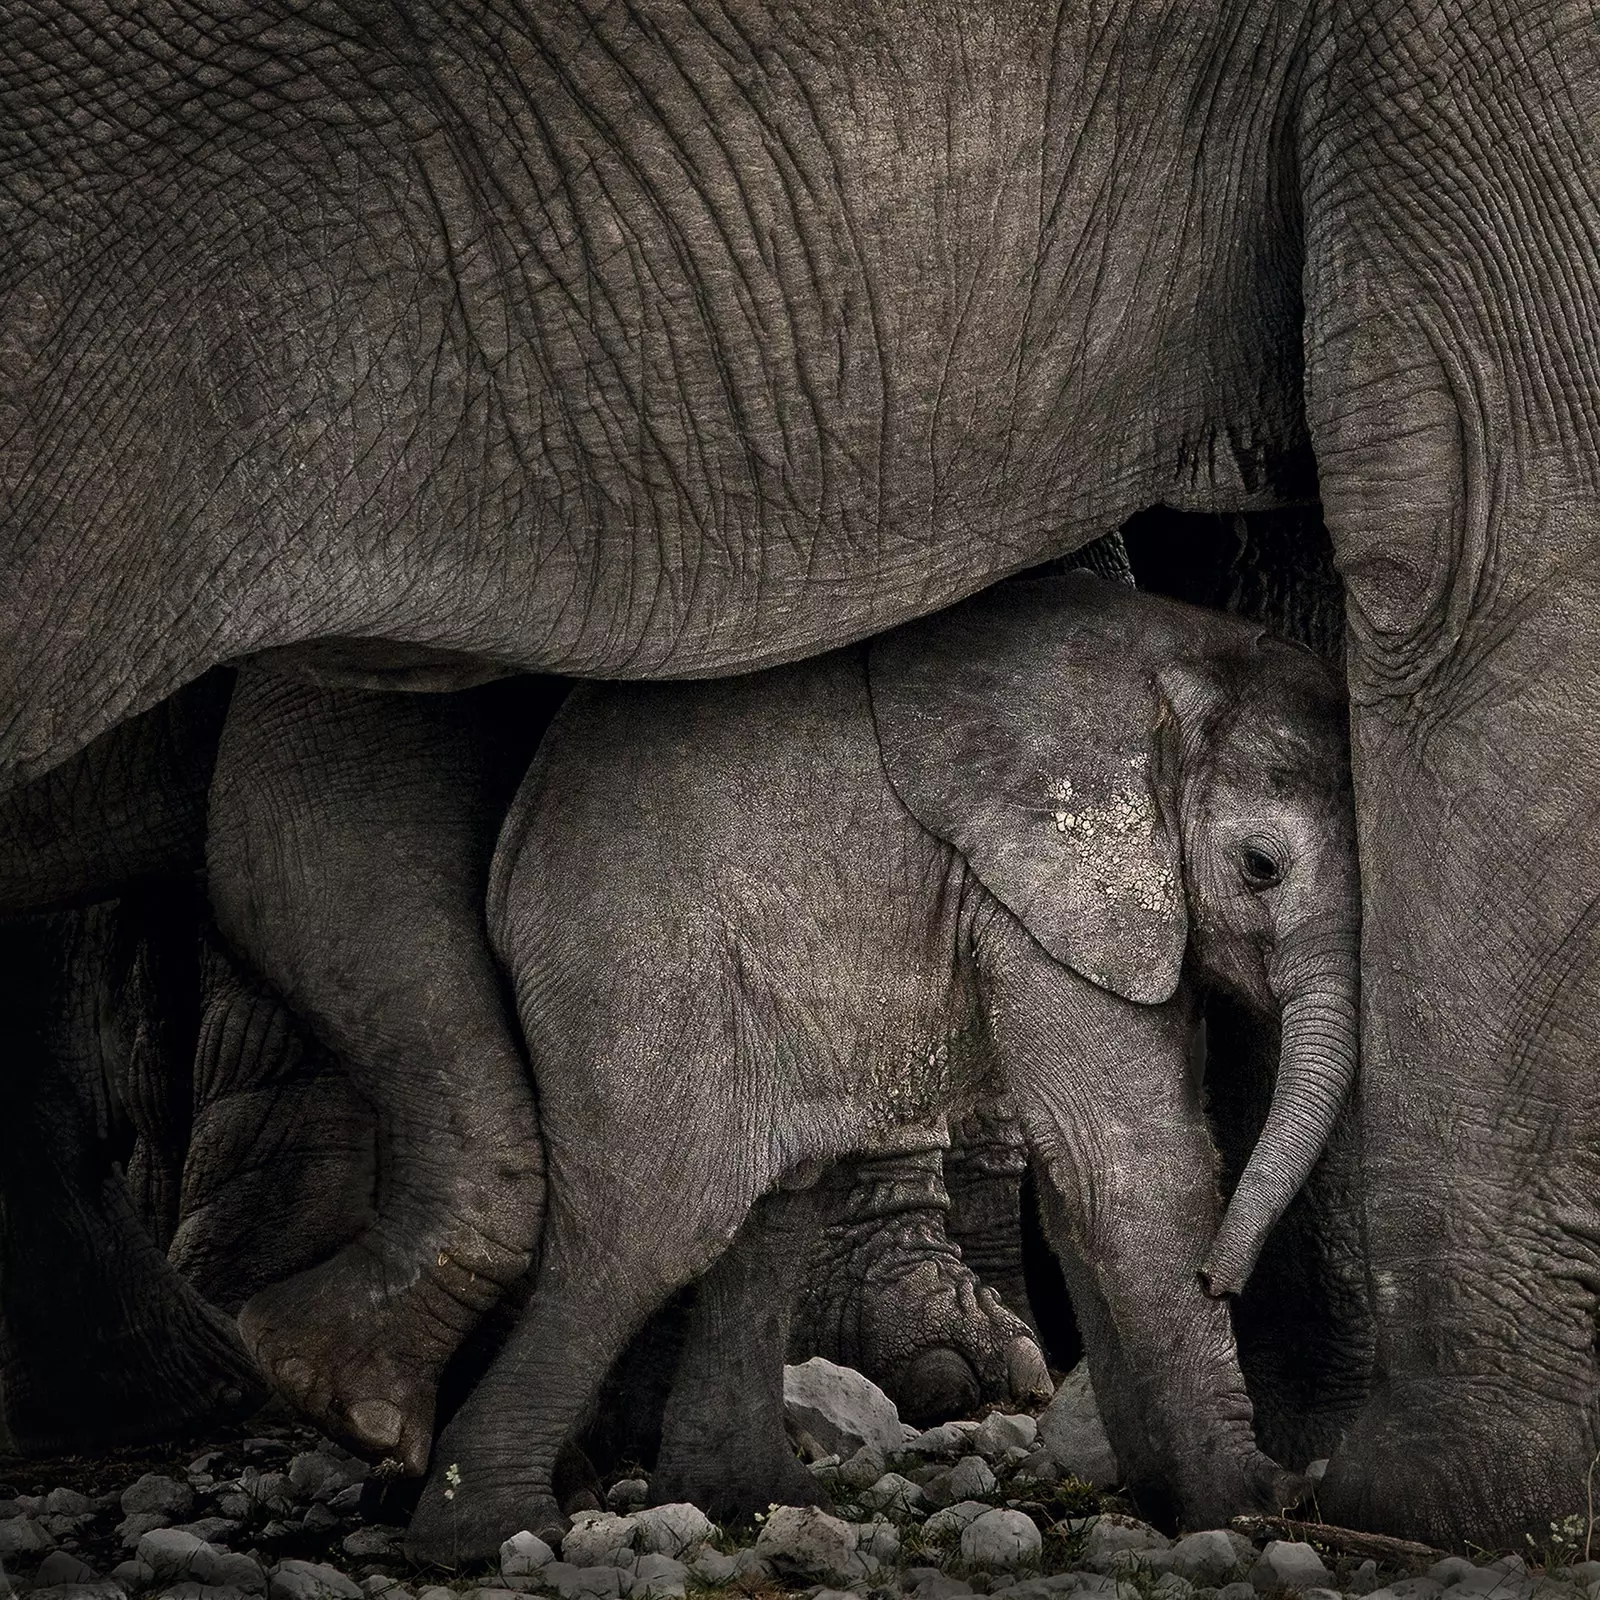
(1121, 827)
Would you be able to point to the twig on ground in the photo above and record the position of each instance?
(1347, 1541)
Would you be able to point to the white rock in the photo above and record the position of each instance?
(672, 1529)
(1040, 1465)
(598, 1538)
(805, 1542)
(941, 1586)
(659, 1575)
(1169, 1586)
(171, 1554)
(62, 1567)
(21, 1536)
(175, 1556)
(1451, 1570)
(371, 1542)
(311, 1580)
(864, 1468)
(953, 1519)
(494, 1594)
(1071, 1430)
(747, 1564)
(1320, 1594)
(523, 1554)
(878, 1539)
(713, 1568)
(969, 1478)
(312, 1472)
(67, 1503)
(893, 1493)
(1499, 1579)
(1288, 1564)
(1000, 1538)
(97, 1589)
(947, 1439)
(1209, 1560)
(137, 1524)
(436, 1592)
(839, 1408)
(153, 1492)
(601, 1580)
(1110, 1540)
(1000, 1431)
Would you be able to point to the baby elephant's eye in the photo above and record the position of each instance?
(1261, 871)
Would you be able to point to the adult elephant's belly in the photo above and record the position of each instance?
(612, 345)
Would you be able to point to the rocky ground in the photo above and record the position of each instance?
(1006, 1504)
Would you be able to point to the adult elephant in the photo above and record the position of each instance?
(419, 341)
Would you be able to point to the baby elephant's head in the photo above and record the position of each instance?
(1146, 785)
(1266, 820)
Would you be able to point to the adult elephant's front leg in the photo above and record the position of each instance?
(350, 840)
(1453, 370)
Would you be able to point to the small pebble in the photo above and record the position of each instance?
(628, 1494)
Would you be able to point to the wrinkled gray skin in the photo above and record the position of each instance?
(648, 339)
(355, 889)
(762, 923)
(102, 1342)
(893, 1289)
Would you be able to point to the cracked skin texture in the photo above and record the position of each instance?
(619, 340)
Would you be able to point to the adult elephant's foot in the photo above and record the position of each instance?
(889, 1294)
(358, 1343)
(100, 1367)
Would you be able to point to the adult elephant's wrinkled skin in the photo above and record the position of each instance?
(423, 340)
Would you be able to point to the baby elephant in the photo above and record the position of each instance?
(757, 924)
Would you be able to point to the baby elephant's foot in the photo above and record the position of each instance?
(358, 1343)
(465, 1524)
(1211, 1491)
(732, 1485)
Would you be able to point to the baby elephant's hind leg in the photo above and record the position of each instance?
(723, 1444)
(622, 1240)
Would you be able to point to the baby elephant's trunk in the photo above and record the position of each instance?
(1315, 980)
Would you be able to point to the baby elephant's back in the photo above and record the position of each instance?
(728, 847)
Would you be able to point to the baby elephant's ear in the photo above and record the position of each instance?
(1024, 729)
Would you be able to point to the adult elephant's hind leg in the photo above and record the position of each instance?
(723, 1443)
(349, 848)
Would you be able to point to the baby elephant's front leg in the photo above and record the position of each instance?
(889, 1294)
